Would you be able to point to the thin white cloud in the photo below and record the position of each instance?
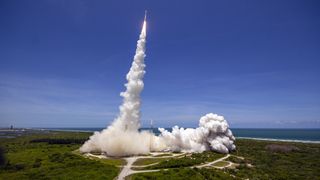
(36, 98)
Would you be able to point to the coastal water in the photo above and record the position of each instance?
(283, 134)
(275, 134)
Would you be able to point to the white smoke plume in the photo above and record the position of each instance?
(122, 137)
(213, 133)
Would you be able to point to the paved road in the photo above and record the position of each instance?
(126, 170)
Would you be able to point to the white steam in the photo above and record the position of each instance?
(122, 137)
(213, 133)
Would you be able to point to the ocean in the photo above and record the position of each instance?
(299, 135)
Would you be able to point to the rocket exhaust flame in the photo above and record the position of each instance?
(122, 137)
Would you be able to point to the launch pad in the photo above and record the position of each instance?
(157, 161)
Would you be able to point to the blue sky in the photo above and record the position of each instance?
(63, 62)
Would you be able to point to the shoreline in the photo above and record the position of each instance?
(281, 140)
(237, 137)
(240, 137)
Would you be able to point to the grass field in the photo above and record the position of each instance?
(25, 159)
(147, 161)
(183, 174)
(221, 163)
(54, 155)
(259, 162)
(186, 161)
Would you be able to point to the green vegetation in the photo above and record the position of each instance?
(110, 161)
(2, 157)
(54, 155)
(186, 161)
(29, 158)
(147, 161)
(301, 162)
(161, 155)
(238, 160)
(183, 174)
(221, 163)
(59, 141)
(262, 160)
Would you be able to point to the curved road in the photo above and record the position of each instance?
(126, 170)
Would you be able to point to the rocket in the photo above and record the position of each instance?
(144, 26)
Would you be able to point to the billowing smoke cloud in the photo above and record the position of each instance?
(213, 133)
(122, 137)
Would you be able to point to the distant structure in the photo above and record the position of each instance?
(151, 126)
(151, 133)
(11, 127)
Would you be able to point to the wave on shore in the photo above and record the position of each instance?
(282, 140)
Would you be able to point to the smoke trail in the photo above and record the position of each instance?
(122, 137)
(117, 139)
(129, 118)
